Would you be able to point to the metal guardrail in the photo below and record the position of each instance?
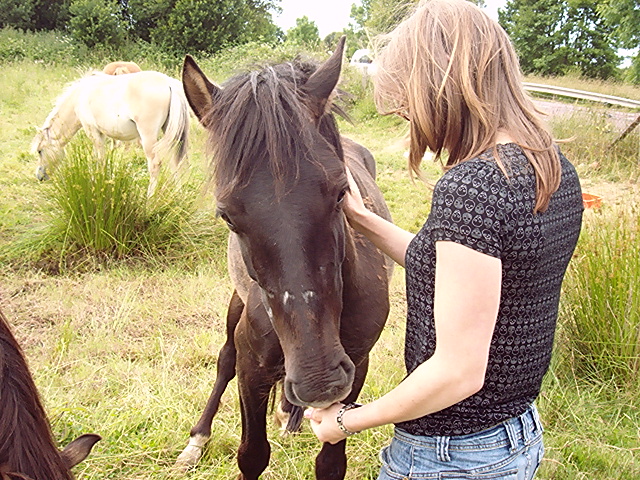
(581, 94)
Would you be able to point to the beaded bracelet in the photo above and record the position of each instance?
(344, 408)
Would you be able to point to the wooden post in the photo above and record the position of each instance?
(629, 129)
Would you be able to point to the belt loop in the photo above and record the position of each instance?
(512, 434)
(536, 418)
(527, 427)
(442, 447)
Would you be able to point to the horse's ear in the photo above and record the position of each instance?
(79, 449)
(323, 81)
(200, 92)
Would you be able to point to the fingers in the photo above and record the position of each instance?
(353, 186)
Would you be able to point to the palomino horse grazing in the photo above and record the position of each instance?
(123, 107)
(311, 295)
(120, 68)
(27, 448)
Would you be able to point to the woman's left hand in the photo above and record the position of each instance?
(323, 423)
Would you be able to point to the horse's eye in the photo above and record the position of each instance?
(228, 221)
(341, 196)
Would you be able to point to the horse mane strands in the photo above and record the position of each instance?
(260, 116)
(27, 448)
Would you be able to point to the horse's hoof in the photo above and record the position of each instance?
(189, 458)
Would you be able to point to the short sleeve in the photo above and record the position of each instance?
(468, 207)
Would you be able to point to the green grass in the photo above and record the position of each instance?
(126, 348)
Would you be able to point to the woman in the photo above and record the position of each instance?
(484, 273)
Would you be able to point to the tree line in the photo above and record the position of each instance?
(552, 37)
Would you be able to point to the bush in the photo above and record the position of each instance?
(96, 22)
(47, 47)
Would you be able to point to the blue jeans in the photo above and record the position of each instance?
(511, 450)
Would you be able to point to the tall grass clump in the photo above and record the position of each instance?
(97, 205)
(601, 320)
(100, 208)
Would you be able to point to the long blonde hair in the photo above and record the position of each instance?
(454, 73)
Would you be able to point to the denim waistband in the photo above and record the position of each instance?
(514, 433)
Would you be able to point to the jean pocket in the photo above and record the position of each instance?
(393, 469)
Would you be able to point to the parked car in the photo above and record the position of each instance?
(362, 59)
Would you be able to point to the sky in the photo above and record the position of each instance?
(334, 15)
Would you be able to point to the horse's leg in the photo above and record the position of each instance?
(225, 371)
(331, 462)
(97, 138)
(260, 365)
(148, 141)
(254, 386)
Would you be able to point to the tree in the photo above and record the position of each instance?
(97, 22)
(553, 36)
(34, 14)
(624, 17)
(206, 26)
(591, 41)
(535, 27)
(304, 33)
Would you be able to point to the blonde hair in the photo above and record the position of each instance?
(453, 72)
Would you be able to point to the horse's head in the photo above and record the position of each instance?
(279, 178)
(48, 150)
(30, 451)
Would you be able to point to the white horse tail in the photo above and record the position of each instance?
(175, 140)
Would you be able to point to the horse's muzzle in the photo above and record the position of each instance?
(41, 174)
(324, 390)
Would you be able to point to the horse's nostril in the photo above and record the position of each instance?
(349, 368)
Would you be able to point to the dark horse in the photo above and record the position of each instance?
(27, 448)
(311, 295)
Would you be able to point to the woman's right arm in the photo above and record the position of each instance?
(385, 235)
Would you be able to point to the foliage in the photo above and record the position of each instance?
(553, 36)
(96, 22)
(624, 17)
(304, 33)
(200, 25)
(38, 47)
(34, 14)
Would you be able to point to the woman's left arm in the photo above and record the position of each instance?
(467, 298)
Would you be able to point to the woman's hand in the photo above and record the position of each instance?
(323, 423)
(354, 207)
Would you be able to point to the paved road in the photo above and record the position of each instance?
(620, 119)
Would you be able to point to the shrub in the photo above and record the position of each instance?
(96, 22)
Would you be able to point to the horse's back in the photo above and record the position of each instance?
(117, 98)
(363, 168)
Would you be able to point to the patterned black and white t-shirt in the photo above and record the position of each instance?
(476, 205)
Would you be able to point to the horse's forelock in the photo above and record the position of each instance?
(261, 116)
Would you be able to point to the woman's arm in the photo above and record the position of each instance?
(467, 297)
(385, 235)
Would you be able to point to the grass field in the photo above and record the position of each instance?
(127, 348)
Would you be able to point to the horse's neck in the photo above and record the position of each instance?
(31, 450)
(350, 264)
(63, 121)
